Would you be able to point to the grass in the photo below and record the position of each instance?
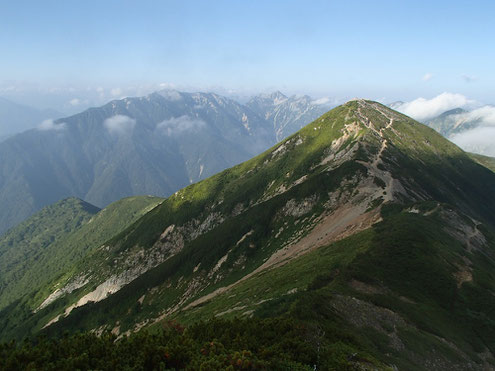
(488, 162)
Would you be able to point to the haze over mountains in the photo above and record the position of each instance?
(286, 114)
(149, 145)
(365, 225)
(162, 142)
(16, 118)
(467, 123)
(473, 130)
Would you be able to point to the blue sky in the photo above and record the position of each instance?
(378, 49)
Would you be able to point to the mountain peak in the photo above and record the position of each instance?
(454, 111)
(276, 97)
(362, 204)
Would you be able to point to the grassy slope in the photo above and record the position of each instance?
(61, 251)
(243, 185)
(399, 269)
(246, 184)
(25, 247)
(103, 226)
(486, 161)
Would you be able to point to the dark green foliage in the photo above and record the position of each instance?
(240, 344)
(26, 249)
(408, 261)
(488, 162)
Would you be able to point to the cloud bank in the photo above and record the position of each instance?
(50, 125)
(323, 101)
(480, 139)
(480, 135)
(119, 124)
(485, 115)
(171, 95)
(422, 109)
(179, 125)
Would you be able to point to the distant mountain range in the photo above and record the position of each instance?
(286, 114)
(148, 145)
(16, 118)
(471, 129)
(367, 234)
(452, 122)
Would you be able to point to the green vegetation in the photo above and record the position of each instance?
(256, 251)
(359, 301)
(24, 248)
(403, 271)
(240, 344)
(488, 162)
(41, 252)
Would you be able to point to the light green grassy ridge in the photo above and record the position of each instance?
(41, 252)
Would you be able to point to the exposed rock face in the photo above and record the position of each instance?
(74, 284)
(299, 208)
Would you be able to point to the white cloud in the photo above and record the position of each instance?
(180, 125)
(167, 85)
(478, 140)
(119, 124)
(75, 102)
(422, 109)
(469, 78)
(481, 137)
(49, 124)
(322, 101)
(427, 76)
(172, 95)
(485, 114)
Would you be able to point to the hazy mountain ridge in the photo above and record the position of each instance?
(287, 114)
(147, 145)
(451, 122)
(16, 118)
(471, 129)
(246, 241)
(150, 145)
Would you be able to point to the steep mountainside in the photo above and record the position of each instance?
(23, 247)
(42, 249)
(488, 162)
(286, 114)
(150, 145)
(367, 226)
